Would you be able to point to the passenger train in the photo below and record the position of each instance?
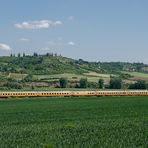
(74, 93)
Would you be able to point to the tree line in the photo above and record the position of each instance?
(115, 83)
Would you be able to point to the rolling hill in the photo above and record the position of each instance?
(46, 70)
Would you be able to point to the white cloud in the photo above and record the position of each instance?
(5, 47)
(42, 24)
(60, 42)
(71, 18)
(24, 39)
(57, 23)
(46, 49)
(71, 43)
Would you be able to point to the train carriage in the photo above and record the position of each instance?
(74, 93)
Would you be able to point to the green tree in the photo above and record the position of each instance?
(101, 83)
(35, 54)
(83, 83)
(13, 85)
(138, 85)
(115, 83)
(32, 87)
(92, 85)
(28, 78)
(24, 55)
(18, 55)
(63, 82)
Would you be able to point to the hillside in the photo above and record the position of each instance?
(46, 70)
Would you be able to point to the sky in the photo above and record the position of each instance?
(93, 30)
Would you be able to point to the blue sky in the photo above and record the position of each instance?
(94, 30)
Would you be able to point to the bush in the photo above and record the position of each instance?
(115, 83)
(63, 82)
(138, 85)
(83, 83)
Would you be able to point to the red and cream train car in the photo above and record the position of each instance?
(74, 93)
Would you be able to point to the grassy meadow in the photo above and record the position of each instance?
(138, 76)
(74, 122)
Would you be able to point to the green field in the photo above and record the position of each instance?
(71, 122)
(138, 75)
(91, 76)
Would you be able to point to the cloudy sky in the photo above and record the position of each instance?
(94, 30)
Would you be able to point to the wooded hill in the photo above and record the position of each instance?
(44, 69)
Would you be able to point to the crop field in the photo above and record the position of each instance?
(74, 122)
(92, 77)
(138, 75)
